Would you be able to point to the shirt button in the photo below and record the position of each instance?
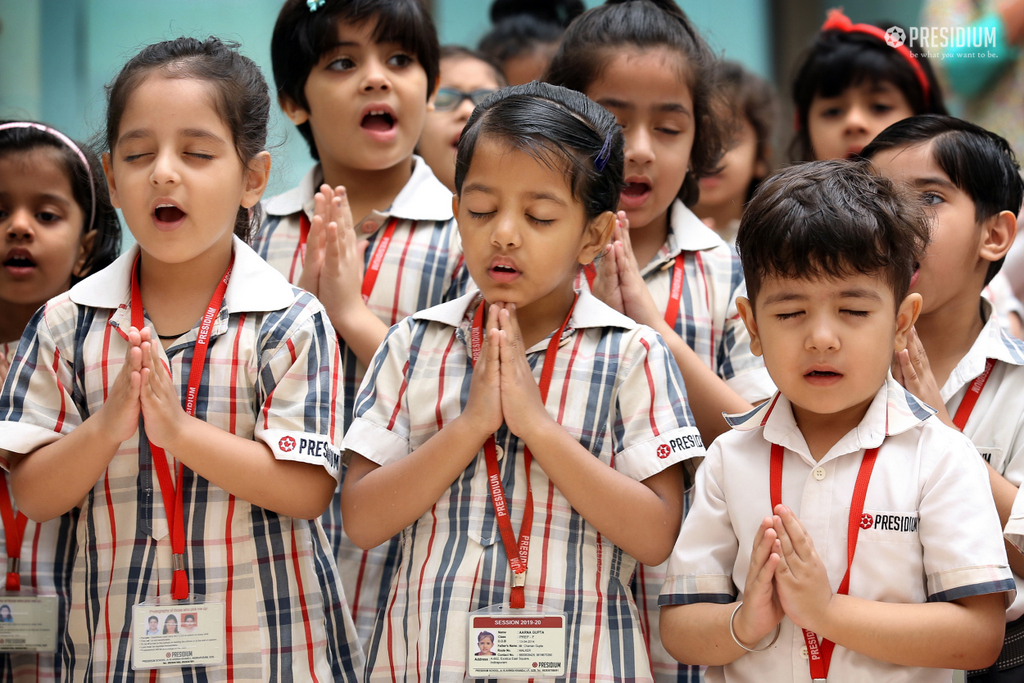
(819, 473)
(499, 452)
(803, 652)
(369, 226)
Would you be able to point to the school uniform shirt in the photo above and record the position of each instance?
(711, 325)
(47, 551)
(616, 389)
(420, 268)
(996, 425)
(929, 533)
(272, 374)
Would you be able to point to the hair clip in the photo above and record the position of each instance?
(601, 160)
(314, 5)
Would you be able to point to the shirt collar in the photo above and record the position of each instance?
(254, 286)
(992, 342)
(298, 198)
(893, 411)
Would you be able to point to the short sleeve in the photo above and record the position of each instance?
(36, 404)
(380, 429)
(301, 385)
(654, 427)
(700, 567)
(964, 553)
(742, 371)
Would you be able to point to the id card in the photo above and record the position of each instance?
(176, 633)
(28, 622)
(516, 643)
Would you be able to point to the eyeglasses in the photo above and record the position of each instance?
(448, 99)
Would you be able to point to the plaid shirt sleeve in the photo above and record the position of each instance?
(301, 387)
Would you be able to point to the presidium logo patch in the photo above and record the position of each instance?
(903, 522)
(286, 444)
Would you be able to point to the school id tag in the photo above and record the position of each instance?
(516, 643)
(175, 633)
(28, 622)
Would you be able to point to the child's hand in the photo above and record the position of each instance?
(483, 409)
(636, 297)
(911, 368)
(5, 367)
(119, 414)
(606, 284)
(761, 611)
(341, 275)
(521, 403)
(800, 577)
(161, 407)
(316, 241)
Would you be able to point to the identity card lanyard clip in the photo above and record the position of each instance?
(820, 655)
(173, 496)
(518, 551)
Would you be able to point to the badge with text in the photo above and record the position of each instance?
(175, 633)
(516, 643)
(28, 623)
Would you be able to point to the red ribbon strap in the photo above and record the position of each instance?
(14, 533)
(963, 413)
(372, 269)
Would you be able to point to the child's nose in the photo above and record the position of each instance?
(639, 149)
(504, 233)
(375, 76)
(165, 169)
(20, 225)
(822, 336)
(856, 119)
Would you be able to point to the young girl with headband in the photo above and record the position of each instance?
(854, 82)
(56, 225)
(521, 507)
(185, 399)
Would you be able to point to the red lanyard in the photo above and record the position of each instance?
(372, 269)
(172, 496)
(820, 655)
(14, 532)
(675, 293)
(518, 552)
(963, 413)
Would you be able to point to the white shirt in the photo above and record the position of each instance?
(933, 533)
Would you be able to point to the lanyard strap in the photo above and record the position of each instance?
(820, 654)
(675, 293)
(372, 268)
(173, 496)
(963, 413)
(14, 532)
(518, 551)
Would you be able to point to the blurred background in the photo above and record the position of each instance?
(56, 55)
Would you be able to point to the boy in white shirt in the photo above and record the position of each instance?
(840, 526)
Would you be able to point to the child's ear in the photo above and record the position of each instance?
(257, 175)
(746, 310)
(108, 173)
(906, 316)
(295, 113)
(997, 238)
(84, 249)
(596, 235)
(455, 206)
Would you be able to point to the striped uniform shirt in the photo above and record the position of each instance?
(272, 374)
(616, 388)
(420, 268)
(929, 532)
(710, 324)
(47, 552)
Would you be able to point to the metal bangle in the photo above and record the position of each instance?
(732, 631)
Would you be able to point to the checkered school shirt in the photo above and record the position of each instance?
(617, 390)
(710, 323)
(932, 534)
(47, 551)
(272, 372)
(421, 268)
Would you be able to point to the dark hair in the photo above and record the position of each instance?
(301, 37)
(559, 127)
(459, 52)
(838, 60)
(243, 100)
(754, 99)
(521, 25)
(485, 634)
(168, 620)
(87, 186)
(830, 219)
(599, 34)
(979, 162)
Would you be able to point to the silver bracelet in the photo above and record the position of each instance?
(732, 631)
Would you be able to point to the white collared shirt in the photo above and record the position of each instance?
(932, 534)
